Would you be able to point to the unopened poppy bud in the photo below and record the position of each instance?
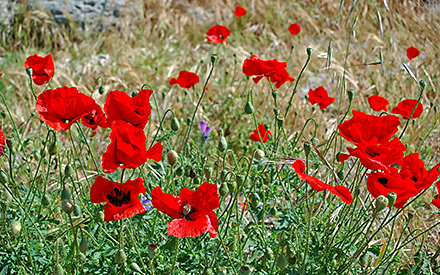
(45, 200)
(240, 180)
(58, 270)
(423, 83)
(268, 254)
(10, 144)
(53, 148)
(172, 157)
(213, 58)
(120, 256)
(29, 72)
(188, 120)
(175, 125)
(77, 210)
(255, 199)
(68, 170)
(282, 262)
(99, 216)
(309, 51)
(363, 260)
(222, 143)
(152, 250)
(223, 190)
(248, 108)
(197, 181)
(340, 174)
(15, 228)
(43, 152)
(391, 198)
(135, 267)
(223, 175)
(381, 203)
(208, 172)
(259, 155)
(179, 171)
(410, 214)
(134, 93)
(208, 271)
(232, 186)
(307, 148)
(101, 90)
(350, 95)
(244, 270)
(3, 177)
(83, 245)
(65, 195)
(67, 206)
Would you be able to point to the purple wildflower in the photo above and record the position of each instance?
(206, 131)
(146, 202)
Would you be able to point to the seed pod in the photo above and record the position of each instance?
(68, 170)
(248, 108)
(65, 195)
(58, 270)
(67, 206)
(99, 217)
(83, 245)
(135, 267)
(172, 157)
(152, 250)
(175, 125)
(391, 198)
(259, 155)
(120, 256)
(15, 228)
(282, 262)
(381, 203)
(224, 190)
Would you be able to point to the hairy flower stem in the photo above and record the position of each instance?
(422, 88)
(176, 248)
(185, 140)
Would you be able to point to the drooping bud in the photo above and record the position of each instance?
(172, 157)
(213, 58)
(152, 250)
(3, 177)
(222, 143)
(411, 213)
(248, 108)
(350, 95)
(259, 155)
(240, 180)
(307, 148)
(208, 171)
(67, 206)
(65, 195)
(99, 216)
(15, 228)
(175, 125)
(68, 170)
(120, 256)
(244, 270)
(232, 186)
(58, 270)
(391, 198)
(53, 147)
(101, 90)
(135, 267)
(83, 245)
(255, 199)
(309, 51)
(282, 262)
(223, 190)
(223, 175)
(381, 203)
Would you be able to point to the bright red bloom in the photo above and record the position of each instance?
(412, 179)
(42, 68)
(378, 103)
(134, 110)
(122, 199)
(405, 108)
(218, 34)
(320, 96)
(365, 128)
(61, 107)
(294, 28)
(127, 148)
(273, 70)
(436, 201)
(263, 133)
(185, 79)
(192, 211)
(2, 141)
(240, 11)
(1, 75)
(338, 190)
(95, 119)
(412, 52)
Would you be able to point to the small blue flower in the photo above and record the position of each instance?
(206, 131)
(146, 202)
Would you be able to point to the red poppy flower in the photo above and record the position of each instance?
(192, 211)
(95, 119)
(240, 11)
(185, 79)
(436, 201)
(280, 77)
(412, 52)
(122, 199)
(263, 133)
(364, 128)
(218, 34)
(405, 108)
(320, 96)
(42, 68)
(376, 156)
(413, 168)
(378, 103)
(243, 205)
(134, 110)
(61, 107)
(2, 141)
(127, 148)
(338, 190)
(294, 28)
(273, 70)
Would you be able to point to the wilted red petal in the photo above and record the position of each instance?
(378, 103)
(240, 11)
(412, 52)
(294, 28)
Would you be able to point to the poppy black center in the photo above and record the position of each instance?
(382, 181)
(118, 198)
(373, 153)
(414, 178)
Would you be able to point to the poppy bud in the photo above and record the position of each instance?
(120, 256)
(223, 175)
(134, 93)
(179, 171)
(3, 177)
(68, 170)
(307, 148)
(196, 181)
(67, 206)
(255, 199)
(248, 108)
(244, 270)
(59, 270)
(188, 120)
(53, 148)
(391, 198)
(45, 200)
(65, 195)
(410, 214)
(208, 271)
(29, 72)
(152, 250)
(232, 186)
(213, 58)
(208, 171)
(101, 90)
(10, 144)
(172, 157)
(99, 216)
(134, 266)
(77, 210)
(309, 51)
(363, 260)
(350, 95)
(423, 83)
(222, 143)
(381, 203)
(15, 228)
(273, 211)
(282, 262)
(223, 190)
(259, 155)
(240, 180)
(175, 125)
(340, 174)
(43, 152)
(83, 245)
